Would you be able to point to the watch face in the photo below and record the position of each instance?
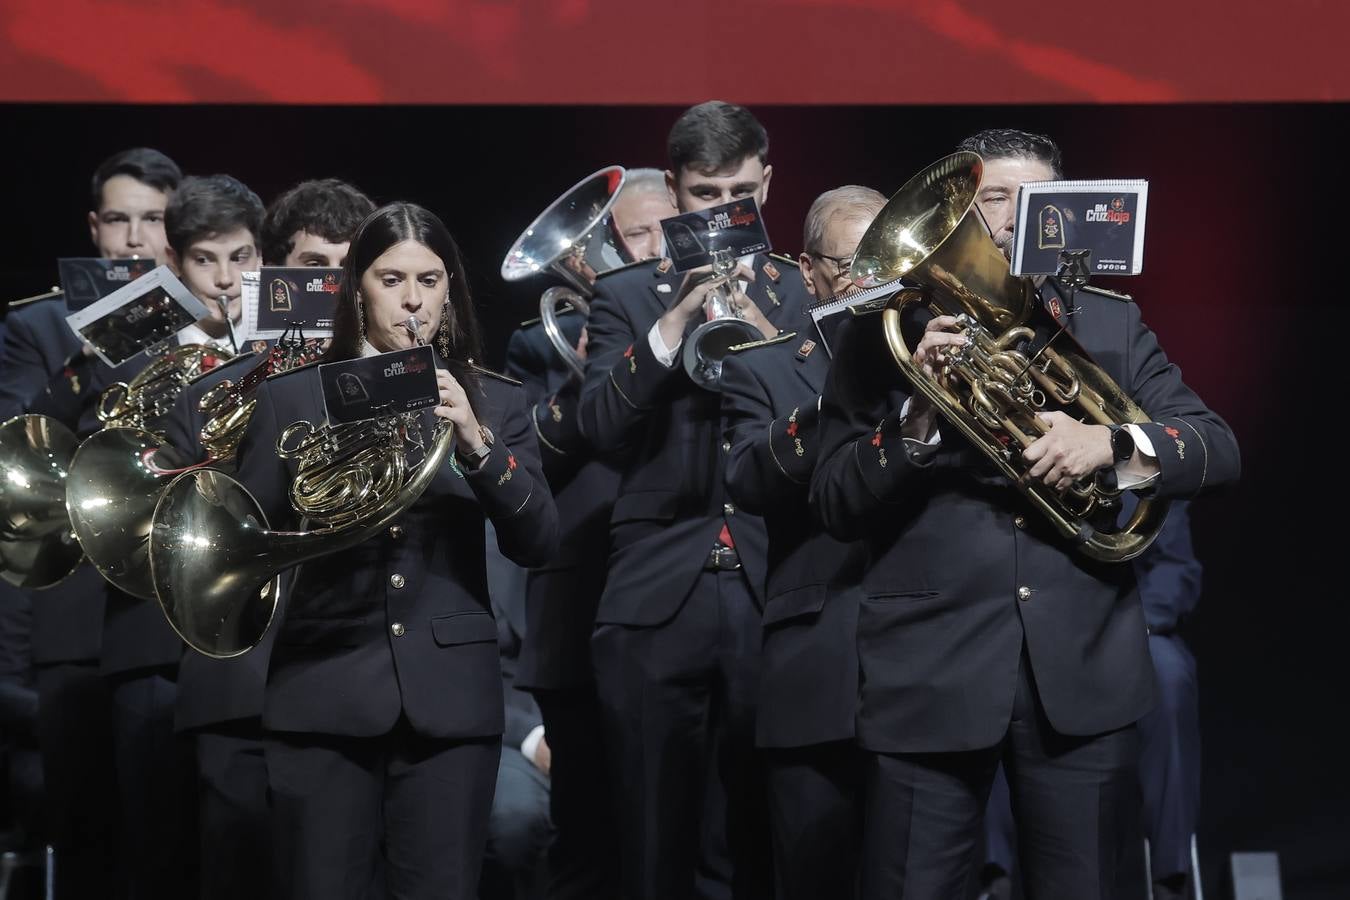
(1122, 443)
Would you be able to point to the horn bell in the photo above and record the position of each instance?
(37, 547)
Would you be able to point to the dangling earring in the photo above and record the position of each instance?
(443, 333)
(360, 316)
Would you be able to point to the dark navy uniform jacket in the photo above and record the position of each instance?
(562, 595)
(809, 667)
(666, 433)
(961, 571)
(400, 625)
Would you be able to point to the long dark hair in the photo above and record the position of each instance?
(458, 340)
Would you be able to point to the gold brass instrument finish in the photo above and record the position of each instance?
(216, 565)
(573, 240)
(118, 474)
(37, 548)
(147, 399)
(931, 235)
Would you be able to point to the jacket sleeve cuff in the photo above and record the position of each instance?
(502, 485)
(794, 442)
(886, 457)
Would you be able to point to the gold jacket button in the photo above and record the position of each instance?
(1024, 593)
(1020, 521)
(397, 580)
(396, 531)
(398, 629)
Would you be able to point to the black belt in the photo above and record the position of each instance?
(722, 559)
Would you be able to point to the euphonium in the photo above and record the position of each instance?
(573, 240)
(710, 342)
(216, 565)
(990, 390)
(118, 473)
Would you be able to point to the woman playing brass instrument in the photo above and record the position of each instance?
(383, 705)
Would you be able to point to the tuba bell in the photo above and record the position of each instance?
(573, 240)
(931, 235)
(215, 563)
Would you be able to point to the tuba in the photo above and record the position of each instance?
(118, 474)
(713, 339)
(216, 565)
(931, 235)
(572, 239)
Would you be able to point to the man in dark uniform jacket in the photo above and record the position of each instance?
(1169, 736)
(808, 668)
(562, 596)
(982, 635)
(677, 637)
(45, 370)
(220, 700)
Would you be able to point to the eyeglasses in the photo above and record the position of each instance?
(842, 264)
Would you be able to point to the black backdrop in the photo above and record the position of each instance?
(1239, 282)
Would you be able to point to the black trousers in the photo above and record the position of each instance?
(156, 782)
(678, 702)
(75, 738)
(336, 802)
(236, 845)
(583, 857)
(1072, 799)
(815, 812)
(1169, 770)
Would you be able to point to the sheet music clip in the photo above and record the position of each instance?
(1074, 272)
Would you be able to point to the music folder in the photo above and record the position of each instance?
(137, 317)
(382, 385)
(87, 279)
(1105, 218)
(276, 298)
(693, 237)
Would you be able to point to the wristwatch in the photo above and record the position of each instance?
(1122, 443)
(474, 458)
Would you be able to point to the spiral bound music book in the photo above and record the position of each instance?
(1104, 217)
(825, 315)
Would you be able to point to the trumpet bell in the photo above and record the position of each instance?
(708, 346)
(37, 547)
(115, 480)
(206, 544)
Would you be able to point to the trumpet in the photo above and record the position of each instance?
(573, 240)
(705, 349)
(215, 563)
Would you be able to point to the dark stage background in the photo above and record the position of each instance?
(1238, 281)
